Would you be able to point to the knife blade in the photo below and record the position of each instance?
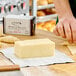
(10, 70)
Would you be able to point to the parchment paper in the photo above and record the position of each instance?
(59, 57)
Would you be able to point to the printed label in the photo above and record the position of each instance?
(17, 26)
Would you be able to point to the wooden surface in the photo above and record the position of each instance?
(51, 70)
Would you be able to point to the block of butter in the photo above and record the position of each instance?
(1, 30)
(34, 48)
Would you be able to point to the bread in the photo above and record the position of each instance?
(42, 2)
(1, 31)
(40, 13)
(50, 11)
(8, 39)
(47, 26)
(3, 45)
(53, 10)
(50, 25)
(50, 1)
(40, 24)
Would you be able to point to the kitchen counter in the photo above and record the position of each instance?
(68, 69)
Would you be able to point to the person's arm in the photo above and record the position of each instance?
(63, 8)
(66, 27)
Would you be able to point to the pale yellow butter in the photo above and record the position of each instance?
(1, 30)
(34, 48)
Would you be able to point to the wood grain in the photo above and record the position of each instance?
(9, 68)
(51, 70)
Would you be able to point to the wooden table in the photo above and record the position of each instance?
(51, 70)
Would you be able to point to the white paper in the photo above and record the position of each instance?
(59, 57)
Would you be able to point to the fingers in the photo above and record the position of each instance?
(55, 31)
(68, 32)
(60, 29)
(73, 29)
(63, 29)
(66, 28)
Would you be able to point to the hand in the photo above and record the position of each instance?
(66, 28)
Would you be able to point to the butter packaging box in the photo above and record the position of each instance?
(20, 25)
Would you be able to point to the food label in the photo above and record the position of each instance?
(17, 26)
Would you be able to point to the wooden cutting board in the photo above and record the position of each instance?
(51, 70)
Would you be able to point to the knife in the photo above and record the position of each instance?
(10, 70)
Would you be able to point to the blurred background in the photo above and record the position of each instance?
(46, 8)
(46, 13)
